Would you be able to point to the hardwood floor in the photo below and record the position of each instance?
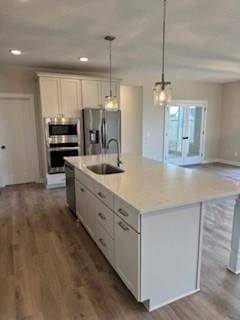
(50, 269)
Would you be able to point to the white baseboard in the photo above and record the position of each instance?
(232, 163)
(151, 308)
(210, 160)
(224, 161)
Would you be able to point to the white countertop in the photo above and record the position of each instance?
(149, 185)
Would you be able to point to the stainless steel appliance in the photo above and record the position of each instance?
(70, 187)
(63, 139)
(99, 126)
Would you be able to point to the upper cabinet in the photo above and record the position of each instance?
(94, 92)
(50, 96)
(67, 94)
(91, 94)
(60, 97)
(70, 97)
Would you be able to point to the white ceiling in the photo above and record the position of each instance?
(202, 35)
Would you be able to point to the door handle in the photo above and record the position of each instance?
(185, 138)
(3, 147)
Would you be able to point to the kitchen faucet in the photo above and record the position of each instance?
(118, 150)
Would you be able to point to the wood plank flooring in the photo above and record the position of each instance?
(50, 269)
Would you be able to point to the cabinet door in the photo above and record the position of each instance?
(80, 201)
(91, 94)
(70, 97)
(50, 97)
(90, 213)
(127, 255)
(105, 90)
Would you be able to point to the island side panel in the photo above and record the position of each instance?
(170, 254)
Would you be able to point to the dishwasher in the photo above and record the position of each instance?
(70, 188)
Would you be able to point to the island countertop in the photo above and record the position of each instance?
(150, 185)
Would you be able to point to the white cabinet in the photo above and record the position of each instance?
(90, 213)
(70, 97)
(50, 96)
(94, 92)
(60, 97)
(86, 208)
(91, 94)
(80, 200)
(118, 241)
(127, 255)
(66, 95)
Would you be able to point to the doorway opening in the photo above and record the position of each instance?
(185, 129)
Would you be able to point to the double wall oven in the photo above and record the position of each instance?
(63, 139)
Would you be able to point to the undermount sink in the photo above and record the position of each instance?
(104, 168)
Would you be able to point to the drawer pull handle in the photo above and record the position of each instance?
(81, 189)
(102, 242)
(101, 216)
(123, 212)
(125, 228)
(101, 195)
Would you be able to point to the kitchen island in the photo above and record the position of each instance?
(148, 222)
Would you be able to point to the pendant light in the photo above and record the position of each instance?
(162, 90)
(111, 103)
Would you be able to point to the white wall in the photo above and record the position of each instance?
(230, 124)
(131, 106)
(182, 90)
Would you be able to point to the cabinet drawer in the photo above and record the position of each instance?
(104, 195)
(105, 243)
(127, 213)
(105, 217)
(84, 179)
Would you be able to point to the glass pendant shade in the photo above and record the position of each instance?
(162, 96)
(111, 103)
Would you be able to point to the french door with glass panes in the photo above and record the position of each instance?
(184, 133)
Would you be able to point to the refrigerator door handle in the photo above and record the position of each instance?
(103, 131)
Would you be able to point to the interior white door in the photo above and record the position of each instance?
(18, 153)
(184, 136)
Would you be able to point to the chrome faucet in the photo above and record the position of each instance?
(118, 150)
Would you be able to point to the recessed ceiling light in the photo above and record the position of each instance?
(83, 59)
(15, 52)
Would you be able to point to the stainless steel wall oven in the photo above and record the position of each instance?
(63, 139)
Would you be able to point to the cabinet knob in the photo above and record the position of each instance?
(3, 147)
(82, 190)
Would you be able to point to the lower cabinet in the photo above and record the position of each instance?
(105, 243)
(86, 208)
(80, 202)
(127, 255)
(119, 242)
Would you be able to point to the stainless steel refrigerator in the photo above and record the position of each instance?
(99, 126)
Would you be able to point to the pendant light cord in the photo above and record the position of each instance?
(110, 67)
(163, 45)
